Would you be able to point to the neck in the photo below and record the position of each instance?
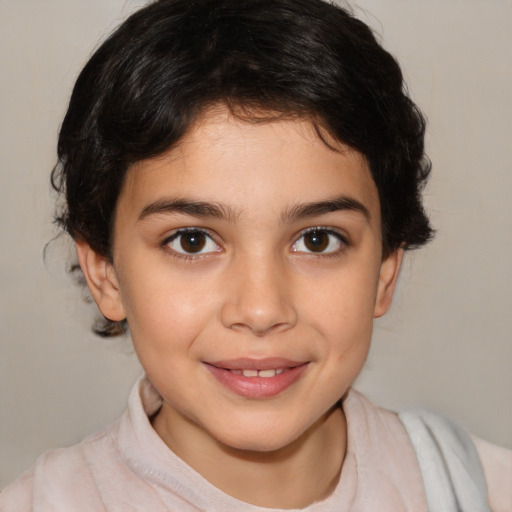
(305, 471)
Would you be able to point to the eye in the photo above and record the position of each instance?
(319, 241)
(191, 242)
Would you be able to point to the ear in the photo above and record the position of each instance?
(102, 281)
(389, 271)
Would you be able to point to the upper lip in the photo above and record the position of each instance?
(244, 363)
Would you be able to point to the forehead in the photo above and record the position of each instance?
(251, 167)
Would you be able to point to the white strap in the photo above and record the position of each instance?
(449, 463)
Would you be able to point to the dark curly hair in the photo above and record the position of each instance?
(148, 82)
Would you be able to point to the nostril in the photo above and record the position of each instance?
(261, 332)
(261, 306)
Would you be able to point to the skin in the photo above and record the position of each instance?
(257, 288)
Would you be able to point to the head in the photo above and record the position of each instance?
(241, 179)
(148, 83)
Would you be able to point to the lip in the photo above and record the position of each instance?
(257, 387)
(247, 363)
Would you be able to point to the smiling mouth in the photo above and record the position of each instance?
(259, 373)
(248, 367)
(254, 378)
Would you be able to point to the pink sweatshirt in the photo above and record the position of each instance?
(127, 467)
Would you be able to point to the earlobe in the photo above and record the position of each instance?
(102, 281)
(389, 271)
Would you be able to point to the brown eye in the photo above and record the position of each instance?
(316, 241)
(319, 241)
(192, 241)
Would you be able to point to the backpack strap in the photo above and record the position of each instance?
(450, 466)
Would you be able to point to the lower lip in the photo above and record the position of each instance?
(257, 387)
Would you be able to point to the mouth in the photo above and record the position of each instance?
(259, 373)
(253, 378)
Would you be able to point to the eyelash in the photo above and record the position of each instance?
(183, 255)
(344, 243)
(341, 239)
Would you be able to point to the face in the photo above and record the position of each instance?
(248, 264)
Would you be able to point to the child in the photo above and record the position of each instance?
(241, 180)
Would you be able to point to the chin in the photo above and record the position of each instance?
(259, 439)
(258, 446)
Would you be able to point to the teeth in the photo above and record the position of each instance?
(267, 373)
(258, 373)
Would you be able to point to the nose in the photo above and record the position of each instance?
(259, 297)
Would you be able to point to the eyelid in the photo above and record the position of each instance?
(326, 229)
(184, 255)
(342, 238)
(189, 229)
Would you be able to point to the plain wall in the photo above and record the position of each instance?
(446, 343)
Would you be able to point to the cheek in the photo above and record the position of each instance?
(343, 302)
(163, 308)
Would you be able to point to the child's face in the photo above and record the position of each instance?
(248, 247)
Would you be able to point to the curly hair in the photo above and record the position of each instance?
(144, 87)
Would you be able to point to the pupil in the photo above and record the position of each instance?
(317, 241)
(193, 242)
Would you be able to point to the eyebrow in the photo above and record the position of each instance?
(198, 209)
(206, 209)
(307, 210)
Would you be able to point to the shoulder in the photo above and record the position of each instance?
(497, 465)
(384, 460)
(18, 497)
(58, 480)
(476, 473)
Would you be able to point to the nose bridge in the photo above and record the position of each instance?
(258, 297)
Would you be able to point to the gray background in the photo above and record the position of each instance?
(446, 343)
